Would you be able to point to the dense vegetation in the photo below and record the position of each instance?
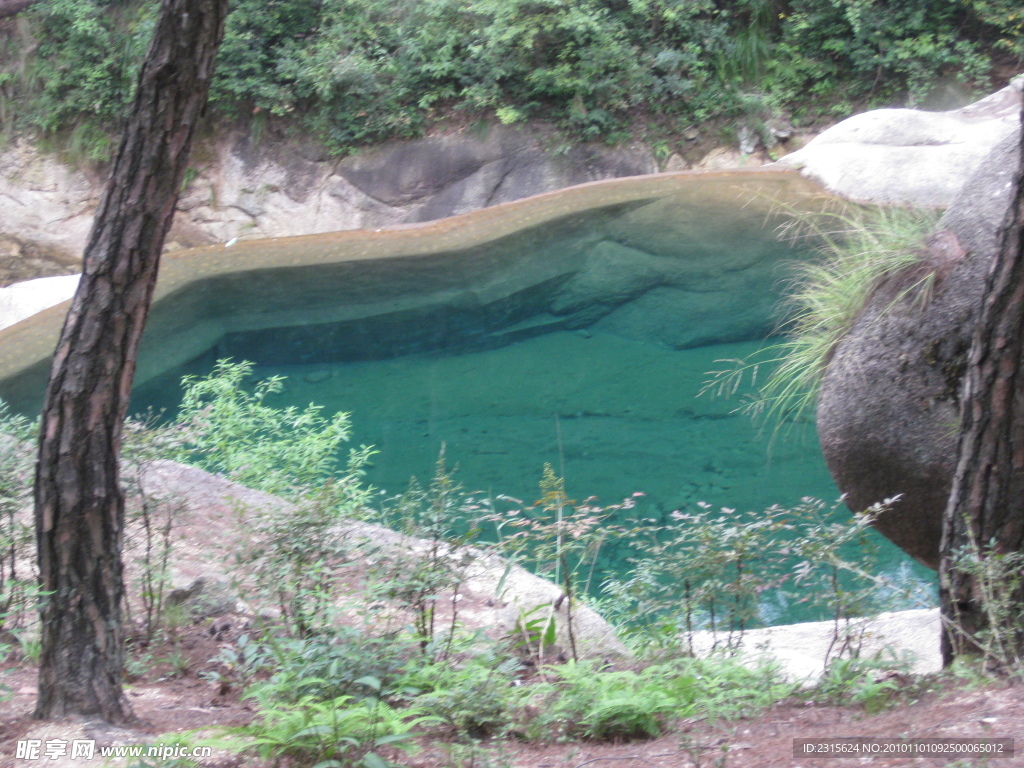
(358, 71)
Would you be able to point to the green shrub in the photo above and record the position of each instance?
(329, 665)
(587, 701)
(998, 579)
(285, 451)
(18, 590)
(714, 570)
(447, 521)
(870, 683)
(474, 695)
(278, 450)
(361, 71)
(340, 732)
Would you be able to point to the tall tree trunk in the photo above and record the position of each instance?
(985, 512)
(79, 507)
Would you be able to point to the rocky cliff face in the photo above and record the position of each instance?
(240, 189)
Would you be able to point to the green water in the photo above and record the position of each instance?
(615, 416)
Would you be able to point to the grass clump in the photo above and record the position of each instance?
(859, 250)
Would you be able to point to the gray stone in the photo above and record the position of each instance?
(213, 516)
(889, 405)
(802, 651)
(247, 190)
(907, 156)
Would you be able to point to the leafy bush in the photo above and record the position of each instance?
(340, 732)
(445, 519)
(278, 450)
(712, 571)
(586, 701)
(999, 581)
(560, 539)
(606, 705)
(331, 664)
(474, 695)
(359, 71)
(870, 683)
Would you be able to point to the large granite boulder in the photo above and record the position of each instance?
(888, 411)
(214, 515)
(908, 156)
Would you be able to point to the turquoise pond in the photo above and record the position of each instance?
(619, 415)
(574, 329)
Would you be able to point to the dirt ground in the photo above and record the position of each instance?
(173, 697)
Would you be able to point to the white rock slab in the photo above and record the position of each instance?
(24, 299)
(802, 650)
(907, 156)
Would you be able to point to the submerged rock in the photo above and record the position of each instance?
(678, 260)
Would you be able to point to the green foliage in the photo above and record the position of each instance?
(284, 451)
(446, 521)
(337, 733)
(860, 249)
(715, 571)
(149, 518)
(18, 590)
(560, 539)
(871, 683)
(998, 582)
(609, 705)
(300, 574)
(328, 665)
(72, 64)
(359, 71)
(588, 701)
(474, 695)
(235, 432)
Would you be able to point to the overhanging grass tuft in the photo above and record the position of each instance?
(859, 249)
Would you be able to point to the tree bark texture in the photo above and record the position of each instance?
(79, 506)
(985, 511)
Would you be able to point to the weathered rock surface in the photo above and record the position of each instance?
(802, 651)
(24, 299)
(888, 411)
(212, 513)
(907, 156)
(239, 189)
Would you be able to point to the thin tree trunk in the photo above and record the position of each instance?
(985, 512)
(79, 507)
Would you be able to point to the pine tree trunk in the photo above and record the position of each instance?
(985, 512)
(79, 507)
